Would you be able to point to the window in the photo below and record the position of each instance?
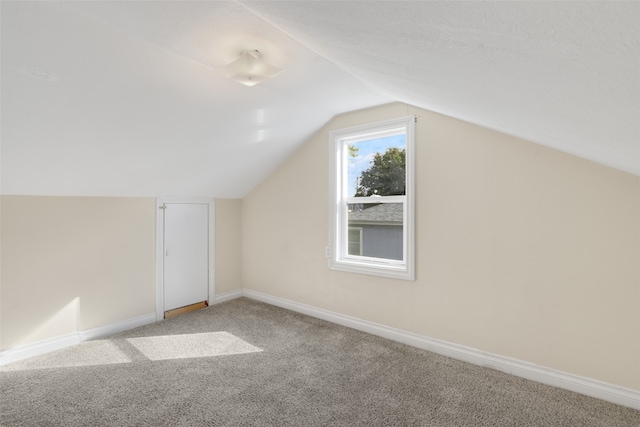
(372, 199)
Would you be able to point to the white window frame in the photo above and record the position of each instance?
(339, 259)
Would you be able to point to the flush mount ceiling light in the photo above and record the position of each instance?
(250, 69)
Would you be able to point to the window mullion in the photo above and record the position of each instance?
(376, 199)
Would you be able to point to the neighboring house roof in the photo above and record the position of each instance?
(382, 214)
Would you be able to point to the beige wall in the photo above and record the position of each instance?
(74, 263)
(228, 245)
(521, 250)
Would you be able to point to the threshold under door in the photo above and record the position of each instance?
(186, 309)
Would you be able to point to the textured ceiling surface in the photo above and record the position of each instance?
(562, 74)
(123, 98)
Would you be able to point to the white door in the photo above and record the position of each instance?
(186, 254)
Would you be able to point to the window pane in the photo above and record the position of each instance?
(381, 226)
(355, 241)
(377, 166)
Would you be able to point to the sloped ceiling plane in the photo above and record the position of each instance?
(121, 98)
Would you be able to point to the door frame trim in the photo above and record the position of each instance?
(160, 201)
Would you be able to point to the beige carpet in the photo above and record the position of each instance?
(245, 363)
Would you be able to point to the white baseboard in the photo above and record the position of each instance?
(40, 347)
(217, 299)
(598, 389)
(114, 328)
(56, 343)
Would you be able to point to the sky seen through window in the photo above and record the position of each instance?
(366, 152)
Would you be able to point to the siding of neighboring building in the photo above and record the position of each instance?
(381, 229)
(382, 241)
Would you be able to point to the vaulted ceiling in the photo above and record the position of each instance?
(124, 98)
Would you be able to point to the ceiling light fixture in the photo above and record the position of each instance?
(250, 69)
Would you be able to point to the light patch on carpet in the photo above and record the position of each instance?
(90, 353)
(208, 344)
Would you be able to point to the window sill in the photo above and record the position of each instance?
(381, 270)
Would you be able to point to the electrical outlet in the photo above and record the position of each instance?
(327, 251)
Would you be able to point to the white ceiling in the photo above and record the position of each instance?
(122, 98)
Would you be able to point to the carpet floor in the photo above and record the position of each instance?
(246, 363)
